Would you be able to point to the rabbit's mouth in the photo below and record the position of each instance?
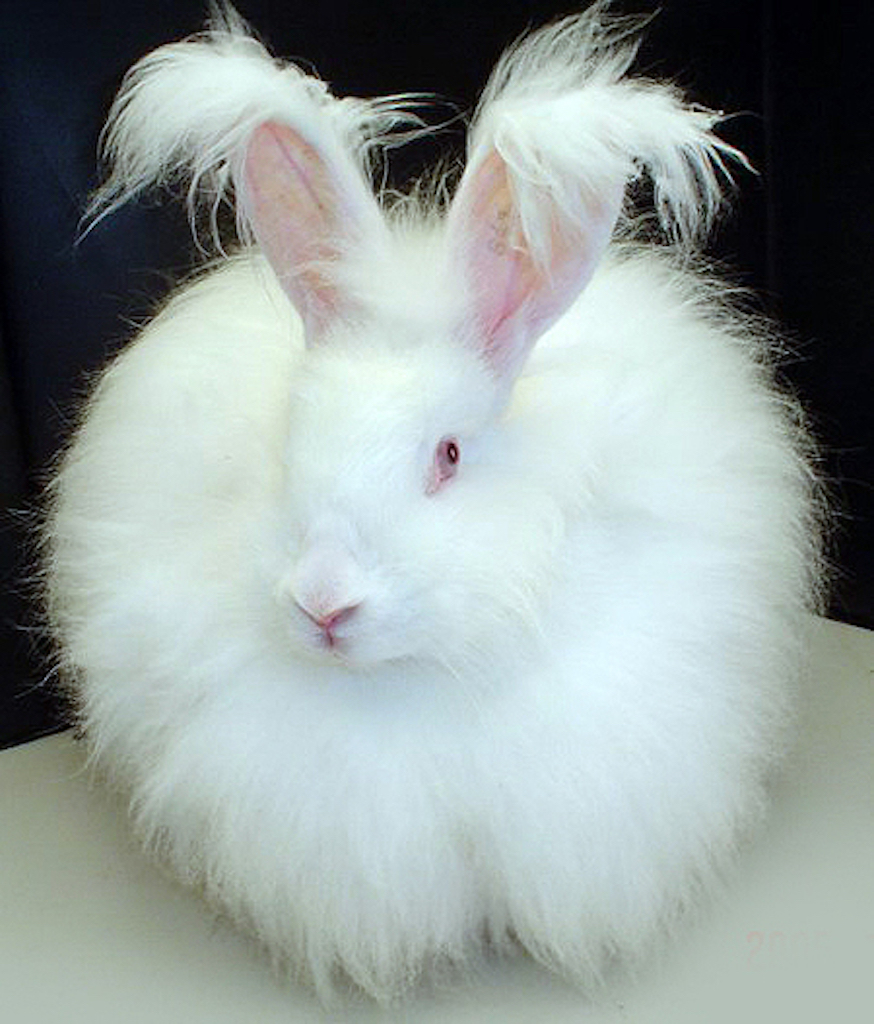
(359, 641)
(331, 641)
(339, 640)
(329, 625)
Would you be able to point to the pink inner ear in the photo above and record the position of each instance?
(503, 273)
(515, 300)
(293, 205)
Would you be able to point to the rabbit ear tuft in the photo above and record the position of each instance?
(194, 111)
(558, 136)
(561, 110)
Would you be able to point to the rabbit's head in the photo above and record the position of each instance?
(406, 530)
(424, 502)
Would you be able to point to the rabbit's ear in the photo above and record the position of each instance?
(559, 134)
(262, 137)
(520, 285)
(304, 217)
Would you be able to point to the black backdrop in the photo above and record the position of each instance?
(801, 233)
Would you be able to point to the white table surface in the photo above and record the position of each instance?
(91, 931)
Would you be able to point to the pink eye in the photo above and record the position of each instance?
(446, 459)
(449, 452)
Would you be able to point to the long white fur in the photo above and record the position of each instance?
(187, 111)
(572, 670)
(561, 113)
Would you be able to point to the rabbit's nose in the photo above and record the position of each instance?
(327, 584)
(328, 619)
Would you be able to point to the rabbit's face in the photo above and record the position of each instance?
(405, 531)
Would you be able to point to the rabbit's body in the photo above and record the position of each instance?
(385, 707)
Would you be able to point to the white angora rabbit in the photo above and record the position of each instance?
(432, 572)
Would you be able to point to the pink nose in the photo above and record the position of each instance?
(330, 619)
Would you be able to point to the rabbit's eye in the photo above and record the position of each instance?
(446, 459)
(449, 452)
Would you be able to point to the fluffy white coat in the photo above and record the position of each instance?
(384, 717)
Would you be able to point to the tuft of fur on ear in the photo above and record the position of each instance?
(568, 125)
(188, 110)
(558, 136)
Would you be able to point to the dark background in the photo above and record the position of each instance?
(801, 233)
